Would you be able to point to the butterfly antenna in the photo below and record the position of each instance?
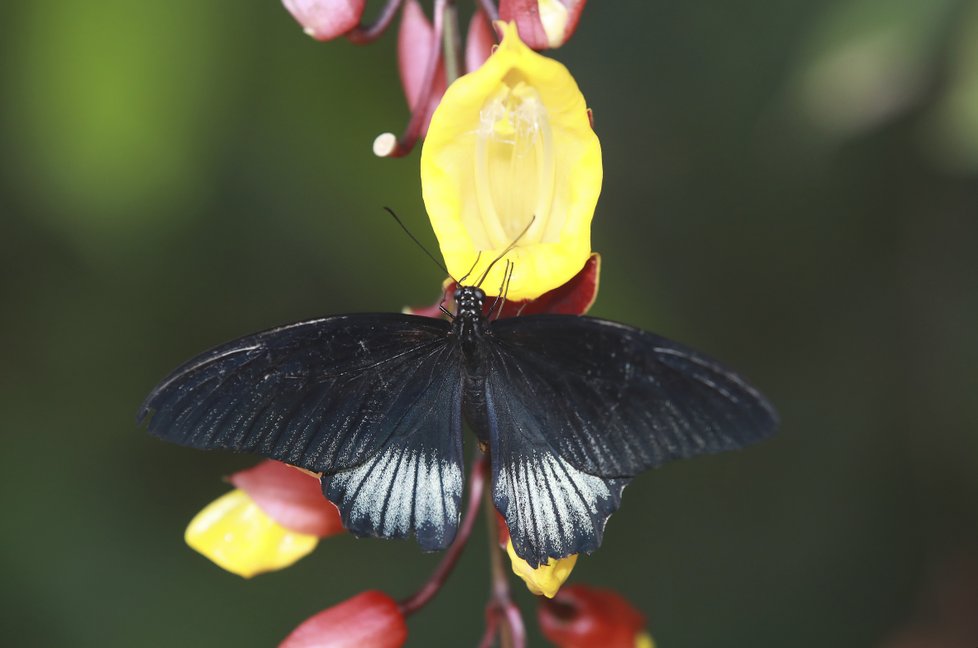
(441, 304)
(418, 243)
(508, 249)
(466, 275)
(504, 289)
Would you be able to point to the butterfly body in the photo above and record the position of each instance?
(570, 409)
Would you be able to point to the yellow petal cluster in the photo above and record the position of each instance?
(233, 532)
(511, 148)
(545, 579)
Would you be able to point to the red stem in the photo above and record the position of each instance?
(423, 596)
(363, 34)
(492, 627)
(501, 606)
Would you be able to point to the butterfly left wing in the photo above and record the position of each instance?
(577, 406)
(371, 401)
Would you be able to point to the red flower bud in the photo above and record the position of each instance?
(291, 497)
(580, 616)
(326, 19)
(542, 23)
(415, 46)
(368, 620)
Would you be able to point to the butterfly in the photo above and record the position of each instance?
(569, 408)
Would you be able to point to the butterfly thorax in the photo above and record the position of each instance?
(470, 327)
(469, 323)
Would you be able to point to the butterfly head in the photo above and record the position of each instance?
(469, 301)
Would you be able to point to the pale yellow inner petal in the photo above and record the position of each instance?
(553, 16)
(515, 169)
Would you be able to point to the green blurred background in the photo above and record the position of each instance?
(791, 186)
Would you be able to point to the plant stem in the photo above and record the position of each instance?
(512, 632)
(477, 480)
(451, 43)
(363, 34)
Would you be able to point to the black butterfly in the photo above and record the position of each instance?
(570, 409)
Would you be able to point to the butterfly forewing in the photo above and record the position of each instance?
(615, 400)
(336, 396)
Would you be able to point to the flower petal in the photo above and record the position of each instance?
(545, 579)
(368, 620)
(510, 150)
(543, 23)
(291, 497)
(233, 532)
(326, 19)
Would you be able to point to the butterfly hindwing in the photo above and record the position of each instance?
(367, 400)
(413, 483)
(552, 508)
(615, 400)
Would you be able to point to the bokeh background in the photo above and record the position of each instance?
(791, 186)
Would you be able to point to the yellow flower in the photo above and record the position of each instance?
(644, 640)
(545, 579)
(509, 144)
(233, 532)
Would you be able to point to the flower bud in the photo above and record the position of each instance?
(326, 19)
(234, 533)
(581, 616)
(291, 497)
(547, 578)
(368, 620)
(415, 47)
(275, 517)
(543, 23)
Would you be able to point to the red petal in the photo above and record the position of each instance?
(291, 497)
(414, 47)
(326, 19)
(448, 289)
(479, 41)
(581, 616)
(502, 529)
(368, 620)
(526, 15)
(573, 298)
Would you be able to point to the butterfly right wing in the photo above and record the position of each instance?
(577, 406)
(370, 401)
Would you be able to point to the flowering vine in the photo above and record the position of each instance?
(511, 172)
